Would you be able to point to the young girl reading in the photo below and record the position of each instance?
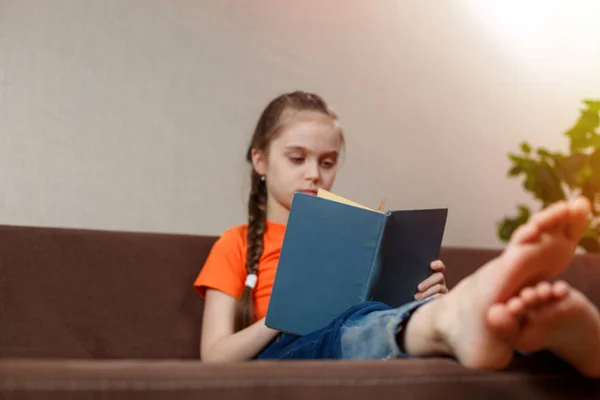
(296, 146)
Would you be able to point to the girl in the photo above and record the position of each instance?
(296, 146)
(480, 322)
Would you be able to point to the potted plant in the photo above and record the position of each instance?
(552, 176)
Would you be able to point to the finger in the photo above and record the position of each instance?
(438, 266)
(434, 279)
(434, 290)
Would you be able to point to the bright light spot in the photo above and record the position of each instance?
(542, 27)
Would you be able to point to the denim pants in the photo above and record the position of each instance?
(365, 331)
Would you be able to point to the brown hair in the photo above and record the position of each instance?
(269, 125)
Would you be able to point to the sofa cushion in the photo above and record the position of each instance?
(537, 377)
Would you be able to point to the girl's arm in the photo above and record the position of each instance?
(218, 340)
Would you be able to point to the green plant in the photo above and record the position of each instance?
(553, 176)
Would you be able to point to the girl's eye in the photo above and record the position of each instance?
(297, 160)
(328, 164)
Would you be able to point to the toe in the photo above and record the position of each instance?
(502, 322)
(515, 306)
(560, 289)
(529, 297)
(555, 216)
(544, 291)
(579, 212)
(526, 233)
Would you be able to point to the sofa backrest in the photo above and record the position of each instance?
(73, 293)
(583, 272)
(95, 294)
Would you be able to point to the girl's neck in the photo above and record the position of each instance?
(277, 213)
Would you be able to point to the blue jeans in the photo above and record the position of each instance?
(365, 331)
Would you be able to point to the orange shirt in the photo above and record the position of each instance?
(225, 266)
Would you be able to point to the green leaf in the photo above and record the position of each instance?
(507, 226)
(593, 105)
(578, 138)
(521, 165)
(594, 140)
(578, 144)
(544, 153)
(594, 164)
(569, 169)
(526, 148)
(514, 158)
(516, 170)
(524, 212)
(577, 132)
(546, 185)
(582, 133)
(589, 119)
(505, 229)
(517, 159)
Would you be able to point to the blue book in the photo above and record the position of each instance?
(337, 254)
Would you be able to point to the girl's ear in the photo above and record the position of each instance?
(259, 161)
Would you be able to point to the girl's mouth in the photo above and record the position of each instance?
(309, 191)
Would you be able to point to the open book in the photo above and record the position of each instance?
(337, 253)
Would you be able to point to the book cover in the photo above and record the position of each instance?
(337, 253)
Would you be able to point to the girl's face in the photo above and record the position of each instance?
(302, 158)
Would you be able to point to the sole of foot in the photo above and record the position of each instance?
(539, 250)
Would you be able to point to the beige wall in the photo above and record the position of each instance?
(113, 113)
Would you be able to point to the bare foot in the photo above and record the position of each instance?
(554, 317)
(457, 324)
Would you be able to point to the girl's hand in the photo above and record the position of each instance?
(435, 285)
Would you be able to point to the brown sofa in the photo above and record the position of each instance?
(97, 314)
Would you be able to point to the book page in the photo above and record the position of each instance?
(334, 197)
